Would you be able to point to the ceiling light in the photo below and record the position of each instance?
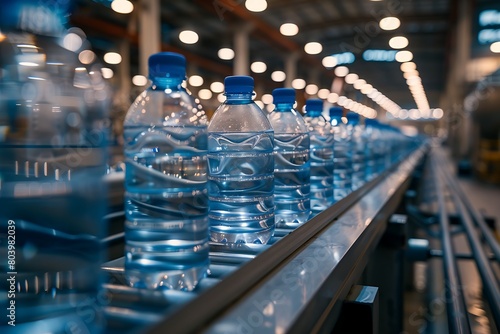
(256, 5)
(398, 42)
(107, 73)
(437, 113)
(86, 57)
(72, 42)
(267, 98)
(188, 37)
(410, 74)
(122, 6)
(205, 94)
(351, 78)
(341, 71)
(260, 104)
(225, 54)
(258, 67)
(313, 48)
(389, 23)
(311, 89)
(221, 98)
(329, 61)
(366, 88)
(404, 56)
(289, 29)
(323, 93)
(333, 97)
(408, 66)
(278, 76)
(217, 87)
(195, 80)
(112, 58)
(359, 83)
(298, 83)
(139, 80)
(495, 47)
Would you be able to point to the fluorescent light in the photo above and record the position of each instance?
(86, 57)
(398, 42)
(139, 80)
(389, 23)
(226, 53)
(359, 83)
(72, 42)
(112, 58)
(195, 80)
(351, 78)
(329, 62)
(188, 37)
(366, 89)
(495, 47)
(313, 48)
(122, 6)
(289, 29)
(298, 83)
(258, 67)
(267, 98)
(341, 71)
(256, 5)
(333, 97)
(107, 73)
(404, 56)
(323, 93)
(278, 76)
(437, 113)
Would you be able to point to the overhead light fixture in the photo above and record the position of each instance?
(389, 23)
(188, 37)
(311, 89)
(221, 98)
(86, 57)
(398, 42)
(112, 58)
(289, 29)
(217, 87)
(195, 80)
(256, 5)
(366, 89)
(495, 47)
(205, 94)
(313, 48)
(267, 98)
(278, 76)
(298, 83)
(404, 56)
(107, 73)
(329, 62)
(359, 83)
(122, 6)
(139, 80)
(408, 66)
(333, 97)
(341, 71)
(72, 42)
(258, 67)
(260, 104)
(323, 93)
(225, 54)
(351, 78)
(437, 113)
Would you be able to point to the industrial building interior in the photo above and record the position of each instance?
(414, 250)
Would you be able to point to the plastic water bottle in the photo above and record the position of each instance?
(241, 168)
(291, 161)
(166, 229)
(342, 168)
(357, 146)
(321, 156)
(53, 144)
(373, 148)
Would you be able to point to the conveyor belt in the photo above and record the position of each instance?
(304, 274)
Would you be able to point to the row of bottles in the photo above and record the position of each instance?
(233, 179)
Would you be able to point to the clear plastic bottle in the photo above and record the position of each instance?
(373, 148)
(356, 138)
(165, 136)
(321, 156)
(53, 144)
(342, 168)
(241, 168)
(291, 161)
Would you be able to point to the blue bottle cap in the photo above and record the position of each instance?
(242, 84)
(284, 95)
(336, 112)
(314, 107)
(167, 65)
(352, 117)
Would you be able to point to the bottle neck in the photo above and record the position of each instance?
(238, 98)
(283, 107)
(165, 83)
